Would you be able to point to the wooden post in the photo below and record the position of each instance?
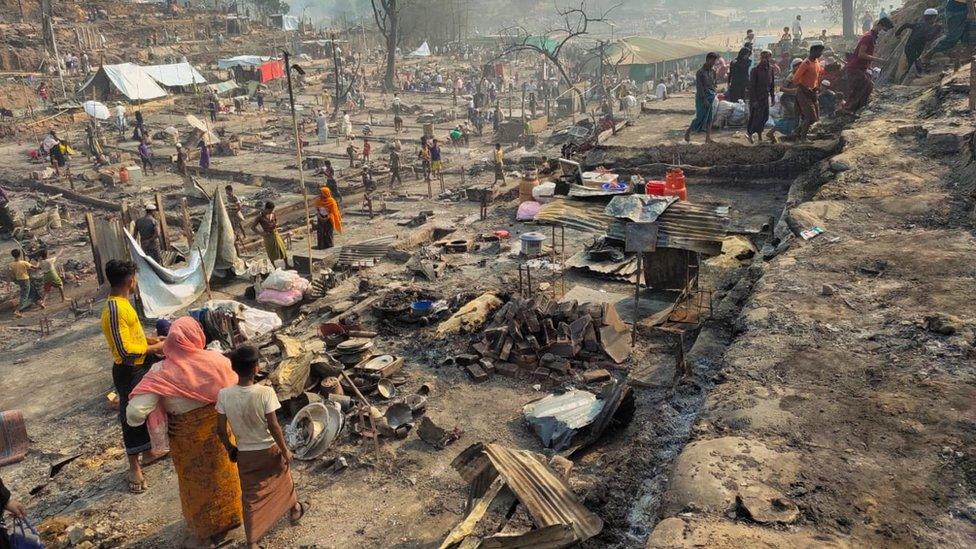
(640, 273)
(972, 85)
(93, 241)
(187, 227)
(163, 227)
(125, 215)
(206, 275)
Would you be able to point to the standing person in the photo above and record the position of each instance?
(176, 398)
(329, 219)
(145, 156)
(367, 149)
(958, 21)
(235, 207)
(20, 272)
(129, 346)
(396, 105)
(499, 164)
(496, 119)
(435, 159)
(739, 76)
(395, 167)
(330, 180)
(43, 93)
(761, 95)
(51, 277)
(797, 31)
(705, 92)
(346, 124)
(274, 245)
(322, 127)
(397, 123)
(859, 82)
(351, 151)
(259, 97)
(147, 228)
(806, 78)
(204, 155)
(180, 159)
(263, 458)
(120, 123)
(213, 108)
(923, 31)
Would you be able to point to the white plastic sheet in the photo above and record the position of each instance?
(164, 291)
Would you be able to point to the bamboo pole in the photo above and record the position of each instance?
(298, 155)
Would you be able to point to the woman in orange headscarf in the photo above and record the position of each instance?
(177, 397)
(329, 219)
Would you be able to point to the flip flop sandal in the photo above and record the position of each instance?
(304, 506)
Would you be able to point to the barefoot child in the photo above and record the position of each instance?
(262, 457)
(50, 275)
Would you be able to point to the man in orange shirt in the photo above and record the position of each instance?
(807, 82)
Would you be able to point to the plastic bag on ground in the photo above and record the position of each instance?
(284, 281)
(278, 297)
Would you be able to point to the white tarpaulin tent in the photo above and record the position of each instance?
(164, 291)
(175, 74)
(422, 51)
(242, 61)
(128, 79)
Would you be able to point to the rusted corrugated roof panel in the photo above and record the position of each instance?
(548, 498)
(575, 214)
(687, 226)
(374, 249)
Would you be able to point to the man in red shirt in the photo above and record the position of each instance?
(807, 82)
(859, 82)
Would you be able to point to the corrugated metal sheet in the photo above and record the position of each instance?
(367, 250)
(687, 226)
(623, 271)
(575, 214)
(580, 191)
(641, 208)
(548, 499)
(557, 418)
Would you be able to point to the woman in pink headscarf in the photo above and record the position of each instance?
(176, 397)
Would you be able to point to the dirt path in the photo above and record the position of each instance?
(841, 415)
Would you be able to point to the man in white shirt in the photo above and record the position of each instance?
(120, 118)
(661, 92)
(797, 31)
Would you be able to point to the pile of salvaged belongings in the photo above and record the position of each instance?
(282, 288)
(501, 479)
(542, 338)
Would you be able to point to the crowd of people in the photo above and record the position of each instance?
(820, 83)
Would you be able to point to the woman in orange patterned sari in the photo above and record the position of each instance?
(176, 397)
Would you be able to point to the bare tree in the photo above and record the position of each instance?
(553, 42)
(834, 9)
(387, 16)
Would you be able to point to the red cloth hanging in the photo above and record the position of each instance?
(271, 70)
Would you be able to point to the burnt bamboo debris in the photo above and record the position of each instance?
(542, 338)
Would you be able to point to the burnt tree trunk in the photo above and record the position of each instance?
(392, 37)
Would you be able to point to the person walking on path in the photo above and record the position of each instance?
(806, 78)
(705, 92)
(762, 94)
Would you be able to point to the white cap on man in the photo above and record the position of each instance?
(931, 11)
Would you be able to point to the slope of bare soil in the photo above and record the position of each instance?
(843, 413)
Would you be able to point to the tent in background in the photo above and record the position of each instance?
(247, 61)
(175, 75)
(126, 79)
(422, 51)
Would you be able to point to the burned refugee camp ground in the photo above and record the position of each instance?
(613, 338)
